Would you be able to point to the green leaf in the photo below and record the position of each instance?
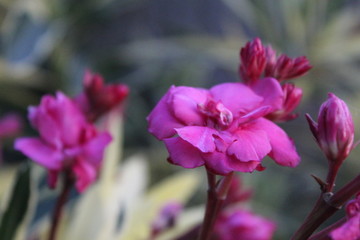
(17, 205)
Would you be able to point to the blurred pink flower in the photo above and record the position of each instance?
(99, 98)
(292, 98)
(222, 128)
(241, 224)
(67, 141)
(350, 230)
(334, 131)
(166, 218)
(10, 125)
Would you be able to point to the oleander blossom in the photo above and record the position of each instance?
(350, 230)
(222, 128)
(242, 224)
(99, 98)
(67, 142)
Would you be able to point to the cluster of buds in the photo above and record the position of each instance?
(259, 61)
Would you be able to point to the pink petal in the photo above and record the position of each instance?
(85, 174)
(185, 101)
(218, 163)
(249, 166)
(250, 145)
(93, 151)
(283, 149)
(40, 153)
(255, 114)
(70, 120)
(183, 153)
(270, 89)
(349, 230)
(161, 121)
(236, 97)
(200, 137)
(45, 124)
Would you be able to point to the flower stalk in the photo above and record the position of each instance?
(216, 196)
(68, 182)
(325, 207)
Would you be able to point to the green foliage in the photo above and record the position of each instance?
(17, 205)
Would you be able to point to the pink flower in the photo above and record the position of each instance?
(292, 98)
(222, 128)
(350, 230)
(242, 224)
(98, 98)
(10, 125)
(166, 218)
(67, 142)
(334, 131)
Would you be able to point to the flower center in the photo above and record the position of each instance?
(217, 113)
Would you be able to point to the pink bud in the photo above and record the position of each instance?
(253, 61)
(292, 98)
(270, 61)
(334, 131)
(99, 98)
(287, 68)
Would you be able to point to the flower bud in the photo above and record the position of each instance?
(253, 61)
(292, 98)
(334, 131)
(287, 68)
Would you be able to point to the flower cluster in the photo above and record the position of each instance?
(259, 61)
(226, 128)
(69, 142)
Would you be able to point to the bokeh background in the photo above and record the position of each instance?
(47, 45)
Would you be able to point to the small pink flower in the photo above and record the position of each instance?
(241, 224)
(99, 98)
(166, 218)
(334, 131)
(350, 230)
(222, 128)
(292, 98)
(10, 125)
(67, 142)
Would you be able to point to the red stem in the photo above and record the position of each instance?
(216, 196)
(325, 207)
(324, 234)
(67, 184)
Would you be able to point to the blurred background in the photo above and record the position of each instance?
(47, 45)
